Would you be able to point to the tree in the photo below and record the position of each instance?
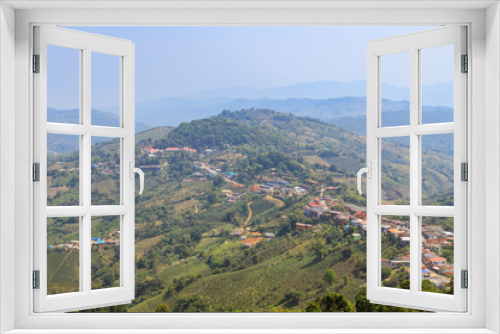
(332, 302)
(346, 280)
(313, 307)
(330, 276)
(212, 198)
(405, 284)
(162, 307)
(386, 272)
(319, 250)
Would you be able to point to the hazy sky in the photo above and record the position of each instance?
(174, 61)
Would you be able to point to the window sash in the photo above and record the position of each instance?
(414, 298)
(86, 297)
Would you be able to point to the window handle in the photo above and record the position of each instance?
(368, 171)
(139, 171)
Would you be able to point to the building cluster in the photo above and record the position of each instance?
(152, 152)
(249, 239)
(99, 241)
(435, 239)
(68, 169)
(72, 245)
(276, 187)
(106, 168)
(75, 244)
(319, 206)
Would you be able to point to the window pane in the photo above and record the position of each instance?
(437, 169)
(63, 170)
(63, 255)
(395, 170)
(63, 85)
(437, 254)
(105, 89)
(395, 255)
(395, 89)
(437, 66)
(106, 171)
(105, 252)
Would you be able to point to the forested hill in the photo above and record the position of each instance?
(302, 139)
(265, 130)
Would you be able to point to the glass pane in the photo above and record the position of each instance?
(105, 258)
(63, 85)
(106, 171)
(437, 66)
(395, 89)
(437, 169)
(437, 254)
(395, 268)
(395, 170)
(63, 170)
(105, 89)
(63, 255)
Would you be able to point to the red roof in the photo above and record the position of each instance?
(437, 259)
(316, 203)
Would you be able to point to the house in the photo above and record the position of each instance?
(385, 263)
(303, 227)
(356, 222)
(433, 247)
(394, 232)
(238, 233)
(433, 234)
(404, 240)
(236, 185)
(269, 235)
(299, 190)
(249, 242)
(339, 218)
(385, 228)
(437, 260)
(398, 263)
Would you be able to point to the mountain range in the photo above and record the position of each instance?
(341, 103)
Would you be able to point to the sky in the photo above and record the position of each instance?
(176, 61)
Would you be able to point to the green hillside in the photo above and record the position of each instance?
(212, 236)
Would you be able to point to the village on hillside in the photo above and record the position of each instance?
(435, 267)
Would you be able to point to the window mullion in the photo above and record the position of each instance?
(85, 168)
(414, 168)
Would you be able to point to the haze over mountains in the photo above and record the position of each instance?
(322, 99)
(341, 103)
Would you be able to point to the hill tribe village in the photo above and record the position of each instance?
(435, 239)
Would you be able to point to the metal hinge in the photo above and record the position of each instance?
(36, 172)
(464, 170)
(36, 279)
(465, 64)
(465, 279)
(36, 63)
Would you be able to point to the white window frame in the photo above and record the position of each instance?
(484, 50)
(413, 44)
(86, 44)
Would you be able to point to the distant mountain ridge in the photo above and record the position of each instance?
(301, 99)
(173, 112)
(437, 94)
